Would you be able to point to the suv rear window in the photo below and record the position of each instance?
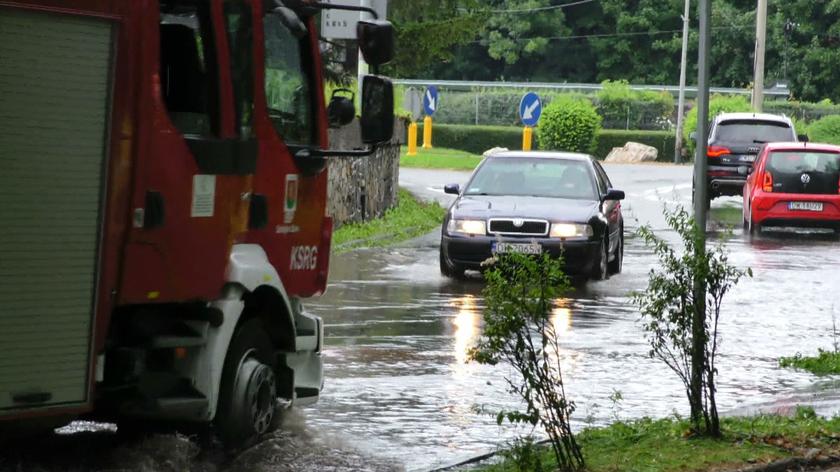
(804, 172)
(753, 131)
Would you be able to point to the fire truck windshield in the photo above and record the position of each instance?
(287, 83)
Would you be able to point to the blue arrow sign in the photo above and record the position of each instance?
(430, 100)
(530, 109)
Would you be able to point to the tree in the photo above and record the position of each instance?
(519, 330)
(668, 308)
(428, 31)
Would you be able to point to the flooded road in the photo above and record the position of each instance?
(398, 385)
(399, 394)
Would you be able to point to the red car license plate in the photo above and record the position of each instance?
(805, 206)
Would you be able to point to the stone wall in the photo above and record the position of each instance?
(362, 188)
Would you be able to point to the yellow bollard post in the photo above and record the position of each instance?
(527, 135)
(427, 132)
(412, 139)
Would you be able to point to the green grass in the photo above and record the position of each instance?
(826, 363)
(663, 445)
(410, 218)
(439, 158)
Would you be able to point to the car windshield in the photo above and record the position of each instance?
(752, 131)
(539, 177)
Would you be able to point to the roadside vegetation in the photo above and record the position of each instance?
(824, 363)
(409, 219)
(439, 158)
(519, 331)
(666, 445)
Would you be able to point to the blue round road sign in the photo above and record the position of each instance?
(530, 109)
(430, 100)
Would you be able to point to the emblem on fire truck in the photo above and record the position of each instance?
(291, 198)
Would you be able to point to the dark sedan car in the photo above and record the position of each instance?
(535, 202)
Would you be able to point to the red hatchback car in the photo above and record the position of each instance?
(793, 184)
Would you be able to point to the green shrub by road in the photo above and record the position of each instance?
(662, 445)
(569, 124)
(439, 158)
(477, 139)
(824, 130)
(409, 219)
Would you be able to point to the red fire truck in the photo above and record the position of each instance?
(162, 208)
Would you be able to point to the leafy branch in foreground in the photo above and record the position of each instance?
(668, 308)
(519, 330)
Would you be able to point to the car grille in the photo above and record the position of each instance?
(524, 228)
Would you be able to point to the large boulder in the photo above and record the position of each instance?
(631, 153)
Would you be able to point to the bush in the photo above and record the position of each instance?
(477, 139)
(520, 297)
(473, 139)
(568, 124)
(825, 130)
(624, 108)
(663, 141)
(717, 104)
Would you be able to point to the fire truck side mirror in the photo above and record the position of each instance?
(376, 41)
(377, 109)
(291, 21)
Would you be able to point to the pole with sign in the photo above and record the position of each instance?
(413, 102)
(530, 109)
(431, 101)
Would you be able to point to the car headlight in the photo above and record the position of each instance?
(570, 230)
(472, 227)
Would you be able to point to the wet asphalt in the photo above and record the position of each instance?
(400, 395)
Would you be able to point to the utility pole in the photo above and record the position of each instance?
(760, 45)
(681, 102)
(698, 332)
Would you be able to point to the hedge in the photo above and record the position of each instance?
(477, 139)
(663, 141)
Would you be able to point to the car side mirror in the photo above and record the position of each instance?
(693, 136)
(376, 41)
(377, 109)
(613, 194)
(803, 138)
(453, 189)
(744, 170)
(341, 111)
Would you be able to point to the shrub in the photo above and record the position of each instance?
(477, 139)
(825, 130)
(663, 141)
(624, 108)
(682, 334)
(474, 139)
(717, 104)
(520, 298)
(568, 124)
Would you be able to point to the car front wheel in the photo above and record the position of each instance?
(599, 269)
(450, 270)
(615, 265)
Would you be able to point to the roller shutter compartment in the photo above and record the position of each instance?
(55, 74)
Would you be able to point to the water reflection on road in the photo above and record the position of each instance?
(399, 385)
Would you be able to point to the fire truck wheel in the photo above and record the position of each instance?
(248, 393)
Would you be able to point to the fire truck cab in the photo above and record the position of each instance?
(162, 208)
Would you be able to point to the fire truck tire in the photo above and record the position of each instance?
(248, 393)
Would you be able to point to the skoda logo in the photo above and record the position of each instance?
(518, 222)
(805, 178)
